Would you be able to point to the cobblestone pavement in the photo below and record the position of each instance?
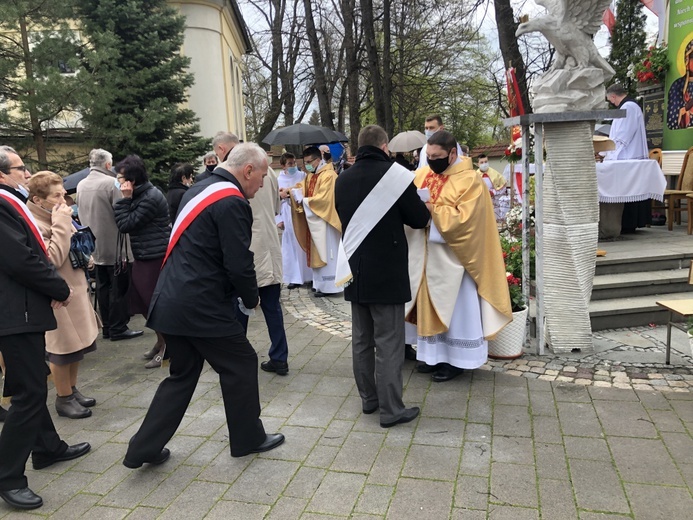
(623, 358)
(487, 444)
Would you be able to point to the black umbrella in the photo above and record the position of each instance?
(71, 181)
(303, 134)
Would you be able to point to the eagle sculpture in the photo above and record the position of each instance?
(569, 27)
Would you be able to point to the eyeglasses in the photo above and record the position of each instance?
(21, 168)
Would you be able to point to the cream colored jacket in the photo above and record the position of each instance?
(265, 243)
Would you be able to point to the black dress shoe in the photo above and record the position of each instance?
(23, 498)
(369, 411)
(71, 408)
(280, 367)
(445, 373)
(409, 415)
(72, 452)
(293, 286)
(423, 368)
(128, 334)
(272, 440)
(159, 459)
(409, 353)
(319, 294)
(87, 402)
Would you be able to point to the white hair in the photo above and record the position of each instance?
(246, 153)
(99, 157)
(5, 162)
(224, 137)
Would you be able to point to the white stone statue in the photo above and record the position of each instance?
(577, 76)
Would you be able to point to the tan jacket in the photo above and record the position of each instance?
(78, 326)
(265, 243)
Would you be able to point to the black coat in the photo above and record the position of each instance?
(208, 269)
(28, 281)
(145, 218)
(380, 264)
(176, 190)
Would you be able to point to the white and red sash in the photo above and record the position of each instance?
(211, 194)
(21, 208)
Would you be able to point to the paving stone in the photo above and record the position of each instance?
(195, 501)
(418, 499)
(571, 393)
(511, 395)
(518, 450)
(467, 514)
(133, 489)
(666, 421)
(579, 419)
(612, 394)
(472, 492)
(225, 509)
(445, 404)
(476, 459)
(336, 433)
(543, 403)
(659, 502)
(358, 452)
(511, 421)
(624, 419)
(105, 513)
(433, 431)
(477, 432)
(316, 411)
(556, 498)
(287, 508)
(337, 493)
(513, 484)
(60, 491)
(75, 507)
(143, 513)
(374, 499)
(322, 456)
(680, 445)
(206, 452)
(432, 462)
(546, 429)
(512, 513)
(480, 409)
(601, 516)
(597, 486)
(551, 462)
(586, 448)
(305, 482)
(284, 404)
(274, 476)
(299, 443)
(387, 466)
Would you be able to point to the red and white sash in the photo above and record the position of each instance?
(211, 194)
(21, 208)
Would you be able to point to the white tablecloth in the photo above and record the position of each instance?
(630, 181)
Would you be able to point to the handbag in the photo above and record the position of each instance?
(82, 245)
(121, 268)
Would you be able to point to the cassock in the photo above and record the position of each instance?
(294, 263)
(458, 280)
(317, 226)
(631, 143)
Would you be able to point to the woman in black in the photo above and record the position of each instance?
(181, 179)
(143, 214)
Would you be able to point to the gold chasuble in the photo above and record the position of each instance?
(463, 214)
(318, 193)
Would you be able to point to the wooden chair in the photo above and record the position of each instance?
(682, 308)
(684, 186)
(656, 154)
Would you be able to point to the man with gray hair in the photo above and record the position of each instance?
(207, 272)
(222, 144)
(96, 195)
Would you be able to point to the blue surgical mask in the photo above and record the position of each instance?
(292, 169)
(429, 133)
(117, 183)
(310, 168)
(21, 189)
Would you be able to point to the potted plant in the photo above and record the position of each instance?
(509, 342)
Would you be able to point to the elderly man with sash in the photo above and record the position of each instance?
(375, 199)
(207, 271)
(315, 219)
(455, 266)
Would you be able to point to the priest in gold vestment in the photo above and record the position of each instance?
(460, 294)
(315, 220)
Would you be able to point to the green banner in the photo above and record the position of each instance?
(678, 131)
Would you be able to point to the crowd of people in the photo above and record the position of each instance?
(416, 253)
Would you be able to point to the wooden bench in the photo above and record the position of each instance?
(677, 307)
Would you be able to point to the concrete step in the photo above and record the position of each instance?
(617, 313)
(627, 262)
(630, 285)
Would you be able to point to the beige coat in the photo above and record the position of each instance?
(265, 243)
(77, 323)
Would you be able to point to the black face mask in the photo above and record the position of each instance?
(439, 165)
(327, 156)
(210, 167)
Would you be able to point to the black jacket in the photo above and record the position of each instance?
(28, 281)
(208, 269)
(145, 218)
(176, 190)
(380, 264)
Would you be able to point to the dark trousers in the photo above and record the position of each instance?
(234, 359)
(274, 317)
(113, 304)
(377, 346)
(28, 426)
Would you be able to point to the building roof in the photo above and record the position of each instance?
(241, 24)
(492, 150)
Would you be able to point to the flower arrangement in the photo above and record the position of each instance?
(653, 67)
(511, 244)
(513, 153)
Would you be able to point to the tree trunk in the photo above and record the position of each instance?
(318, 68)
(352, 71)
(506, 24)
(36, 131)
(387, 71)
(373, 61)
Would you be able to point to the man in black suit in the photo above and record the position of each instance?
(207, 268)
(29, 287)
(380, 285)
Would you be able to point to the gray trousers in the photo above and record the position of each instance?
(378, 353)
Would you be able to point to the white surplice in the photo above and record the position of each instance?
(326, 240)
(294, 262)
(629, 134)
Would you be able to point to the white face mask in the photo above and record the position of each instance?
(429, 133)
(483, 167)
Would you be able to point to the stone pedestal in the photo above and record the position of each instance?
(610, 216)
